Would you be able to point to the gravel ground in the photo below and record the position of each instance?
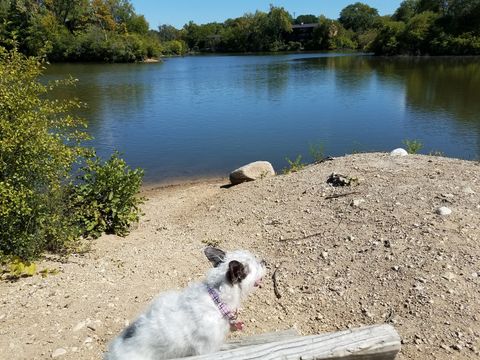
(371, 253)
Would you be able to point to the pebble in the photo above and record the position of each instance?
(468, 190)
(357, 202)
(58, 352)
(399, 152)
(448, 276)
(444, 211)
(79, 326)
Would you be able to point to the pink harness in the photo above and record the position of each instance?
(235, 325)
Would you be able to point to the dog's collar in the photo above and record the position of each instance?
(228, 314)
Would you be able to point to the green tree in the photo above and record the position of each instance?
(389, 39)
(306, 19)
(278, 23)
(331, 35)
(417, 32)
(437, 6)
(358, 17)
(137, 24)
(465, 16)
(406, 10)
(168, 33)
(70, 13)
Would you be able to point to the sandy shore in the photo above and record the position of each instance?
(348, 256)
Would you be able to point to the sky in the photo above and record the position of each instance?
(180, 12)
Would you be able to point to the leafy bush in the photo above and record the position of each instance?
(317, 151)
(39, 143)
(174, 47)
(294, 165)
(105, 199)
(417, 32)
(413, 146)
(389, 39)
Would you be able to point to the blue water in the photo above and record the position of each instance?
(204, 116)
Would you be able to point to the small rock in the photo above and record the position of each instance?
(79, 326)
(457, 347)
(324, 255)
(448, 276)
(88, 340)
(251, 172)
(357, 202)
(58, 352)
(444, 211)
(399, 152)
(468, 191)
(395, 268)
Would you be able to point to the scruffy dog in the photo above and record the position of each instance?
(196, 320)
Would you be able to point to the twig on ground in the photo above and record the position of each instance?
(275, 285)
(336, 196)
(303, 238)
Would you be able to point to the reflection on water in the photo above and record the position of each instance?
(199, 116)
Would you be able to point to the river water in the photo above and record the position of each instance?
(202, 116)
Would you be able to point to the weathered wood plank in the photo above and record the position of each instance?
(367, 343)
(261, 339)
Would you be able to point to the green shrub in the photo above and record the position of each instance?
(105, 199)
(39, 143)
(317, 151)
(294, 166)
(389, 39)
(413, 146)
(174, 47)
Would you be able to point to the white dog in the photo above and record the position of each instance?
(196, 320)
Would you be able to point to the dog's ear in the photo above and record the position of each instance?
(236, 272)
(216, 256)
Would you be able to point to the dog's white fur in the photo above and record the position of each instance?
(186, 323)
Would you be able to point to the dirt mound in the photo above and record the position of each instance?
(375, 251)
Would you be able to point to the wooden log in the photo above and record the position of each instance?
(380, 342)
(260, 339)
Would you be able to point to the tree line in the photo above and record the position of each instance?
(111, 30)
(418, 27)
(77, 30)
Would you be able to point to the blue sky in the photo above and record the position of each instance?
(179, 12)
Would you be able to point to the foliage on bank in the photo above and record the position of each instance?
(80, 30)
(111, 31)
(42, 207)
(418, 27)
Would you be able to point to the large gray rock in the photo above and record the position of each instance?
(252, 171)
